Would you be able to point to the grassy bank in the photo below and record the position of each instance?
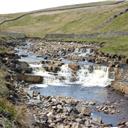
(3, 72)
(113, 45)
(9, 112)
(3, 88)
(12, 113)
(7, 109)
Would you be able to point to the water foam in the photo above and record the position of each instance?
(97, 77)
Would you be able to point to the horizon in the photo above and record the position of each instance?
(14, 6)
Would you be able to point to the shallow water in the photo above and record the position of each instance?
(98, 94)
(89, 86)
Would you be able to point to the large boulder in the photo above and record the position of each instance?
(29, 78)
(23, 67)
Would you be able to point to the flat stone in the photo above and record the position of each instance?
(30, 78)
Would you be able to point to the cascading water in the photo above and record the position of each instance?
(84, 77)
(83, 52)
(87, 81)
(97, 77)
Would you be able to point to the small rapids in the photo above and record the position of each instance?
(88, 82)
(99, 76)
(88, 74)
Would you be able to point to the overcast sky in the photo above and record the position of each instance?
(12, 6)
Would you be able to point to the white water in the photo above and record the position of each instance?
(98, 77)
(39, 85)
(82, 52)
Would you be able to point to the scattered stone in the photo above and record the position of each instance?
(62, 112)
(108, 109)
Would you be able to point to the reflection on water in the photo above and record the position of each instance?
(89, 93)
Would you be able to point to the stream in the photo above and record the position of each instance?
(90, 83)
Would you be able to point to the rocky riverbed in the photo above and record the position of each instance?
(41, 64)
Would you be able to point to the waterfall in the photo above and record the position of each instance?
(87, 75)
(98, 77)
(65, 72)
(50, 78)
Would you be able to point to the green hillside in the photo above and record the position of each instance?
(77, 20)
(109, 16)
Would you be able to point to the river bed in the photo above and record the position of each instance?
(88, 85)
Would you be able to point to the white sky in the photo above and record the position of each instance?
(12, 6)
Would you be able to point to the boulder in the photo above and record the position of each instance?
(74, 67)
(46, 62)
(91, 59)
(84, 111)
(90, 68)
(52, 68)
(74, 111)
(24, 55)
(10, 86)
(118, 73)
(127, 61)
(29, 78)
(23, 67)
(120, 86)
